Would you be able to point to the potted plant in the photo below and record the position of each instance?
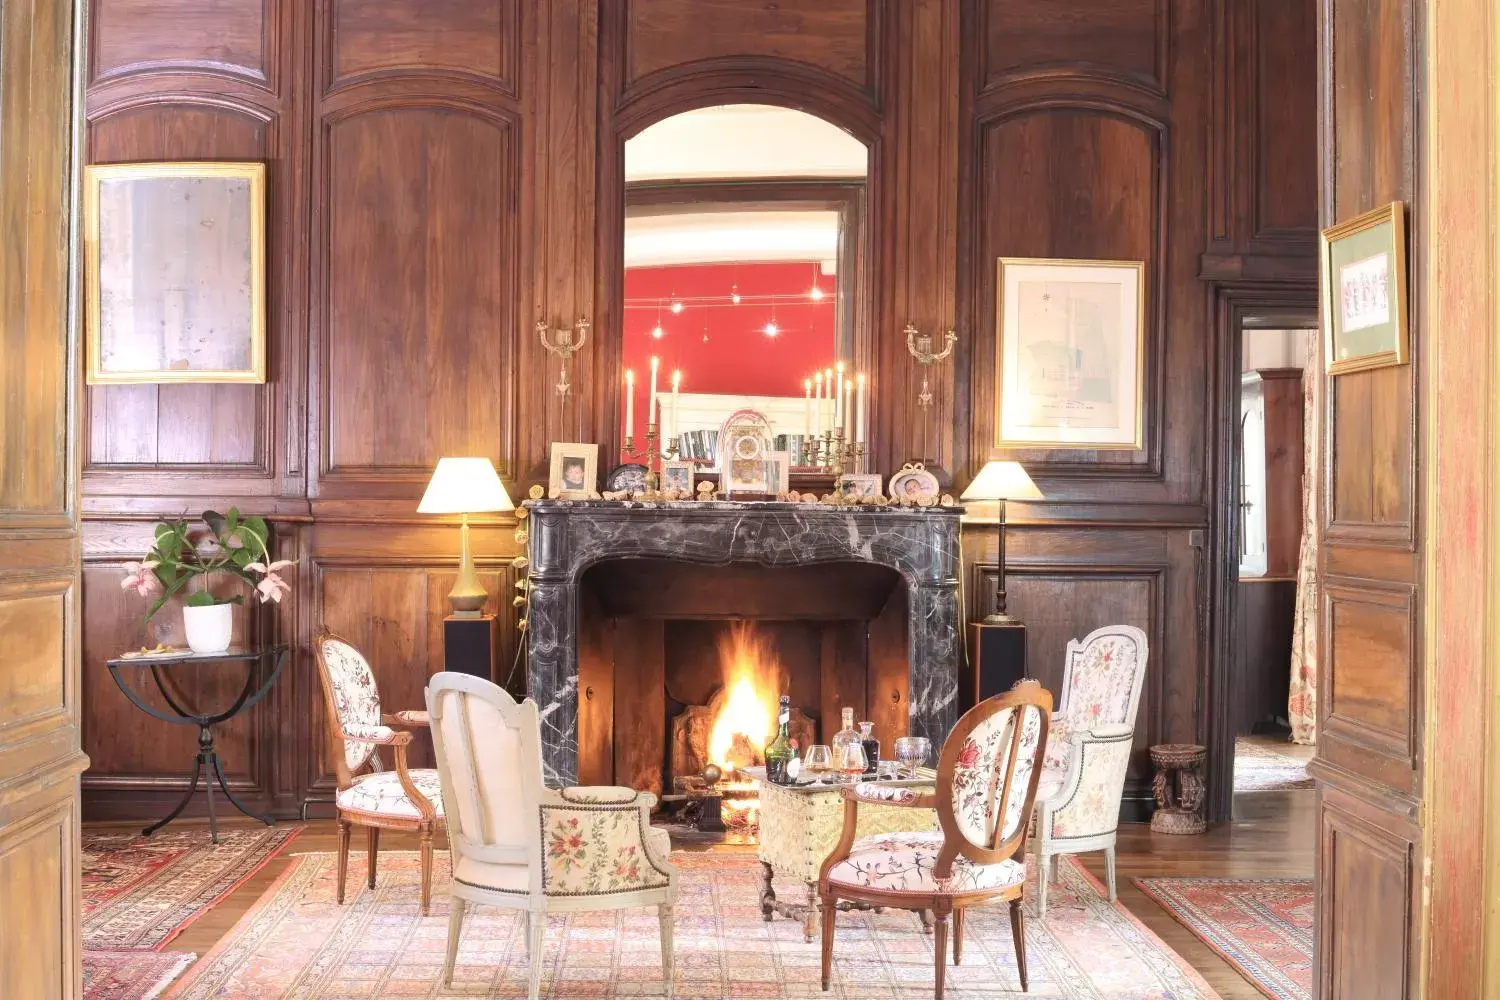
(238, 547)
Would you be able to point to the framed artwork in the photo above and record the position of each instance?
(778, 472)
(574, 474)
(630, 478)
(1364, 291)
(174, 271)
(1069, 350)
(864, 486)
(677, 476)
(913, 484)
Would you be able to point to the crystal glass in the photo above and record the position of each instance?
(818, 763)
(885, 770)
(854, 763)
(911, 752)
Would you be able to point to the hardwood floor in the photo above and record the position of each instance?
(1272, 836)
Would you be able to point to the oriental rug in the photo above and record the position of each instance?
(141, 892)
(297, 942)
(1263, 766)
(130, 975)
(1263, 927)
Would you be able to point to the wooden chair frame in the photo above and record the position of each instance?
(1025, 695)
(428, 820)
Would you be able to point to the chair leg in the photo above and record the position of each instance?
(1042, 878)
(664, 915)
(455, 924)
(344, 833)
(536, 927)
(958, 936)
(426, 869)
(940, 951)
(830, 910)
(1109, 870)
(373, 837)
(1018, 932)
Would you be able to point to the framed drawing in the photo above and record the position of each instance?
(1070, 353)
(174, 270)
(865, 486)
(1364, 291)
(678, 476)
(574, 474)
(778, 472)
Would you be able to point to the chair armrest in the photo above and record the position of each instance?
(606, 795)
(594, 842)
(887, 795)
(407, 718)
(1112, 730)
(382, 735)
(1089, 802)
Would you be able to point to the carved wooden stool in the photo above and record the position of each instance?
(1179, 788)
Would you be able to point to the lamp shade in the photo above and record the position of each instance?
(464, 486)
(1002, 481)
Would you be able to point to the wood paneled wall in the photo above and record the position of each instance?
(443, 175)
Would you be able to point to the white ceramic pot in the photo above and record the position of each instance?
(208, 628)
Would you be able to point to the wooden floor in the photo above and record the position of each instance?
(1272, 836)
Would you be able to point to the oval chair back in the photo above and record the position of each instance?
(352, 700)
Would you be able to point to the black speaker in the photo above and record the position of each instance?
(997, 659)
(467, 645)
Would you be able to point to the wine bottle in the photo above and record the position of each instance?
(871, 744)
(779, 753)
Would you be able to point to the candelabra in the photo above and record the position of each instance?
(836, 453)
(651, 454)
(562, 342)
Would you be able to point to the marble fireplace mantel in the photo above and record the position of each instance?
(567, 537)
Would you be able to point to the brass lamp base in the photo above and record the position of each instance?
(468, 596)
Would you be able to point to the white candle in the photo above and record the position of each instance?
(817, 402)
(848, 414)
(840, 403)
(629, 404)
(676, 398)
(651, 410)
(860, 397)
(807, 407)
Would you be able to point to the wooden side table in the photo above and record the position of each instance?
(800, 825)
(1179, 788)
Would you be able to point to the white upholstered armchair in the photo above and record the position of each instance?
(519, 845)
(1088, 750)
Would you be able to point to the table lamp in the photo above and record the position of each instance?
(1001, 481)
(465, 486)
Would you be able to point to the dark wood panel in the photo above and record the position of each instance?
(218, 36)
(1125, 36)
(1285, 455)
(1371, 449)
(478, 37)
(639, 728)
(1286, 174)
(1371, 118)
(1371, 655)
(1365, 889)
(1262, 671)
(828, 34)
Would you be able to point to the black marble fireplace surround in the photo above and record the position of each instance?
(567, 537)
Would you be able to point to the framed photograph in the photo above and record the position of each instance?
(864, 486)
(913, 484)
(1364, 291)
(574, 474)
(678, 476)
(1069, 350)
(628, 478)
(778, 472)
(174, 272)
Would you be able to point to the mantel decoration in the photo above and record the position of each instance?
(564, 342)
(239, 547)
(1364, 291)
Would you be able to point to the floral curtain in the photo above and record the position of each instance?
(1302, 705)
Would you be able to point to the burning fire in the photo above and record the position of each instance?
(747, 722)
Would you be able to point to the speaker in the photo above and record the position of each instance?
(997, 659)
(467, 645)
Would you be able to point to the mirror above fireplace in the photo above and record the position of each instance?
(745, 253)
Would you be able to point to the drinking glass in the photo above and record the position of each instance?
(912, 752)
(818, 762)
(887, 769)
(854, 763)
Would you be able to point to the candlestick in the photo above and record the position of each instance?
(807, 407)
(629, 404)
(651, 408)
(676, 398)
(861, 398)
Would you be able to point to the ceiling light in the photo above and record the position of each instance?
(771, 330)
(677, 307)
(734, 294)
(816, 294)
(657, 333)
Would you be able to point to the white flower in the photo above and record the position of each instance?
(276, 566)
(271, 587)
(139, 578)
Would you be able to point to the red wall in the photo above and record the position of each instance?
(737, 356)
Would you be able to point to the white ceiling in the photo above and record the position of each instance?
(743, 140)
(732, 237)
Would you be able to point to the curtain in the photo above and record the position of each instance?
(1302, 705)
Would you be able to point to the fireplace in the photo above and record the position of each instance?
(633, 607)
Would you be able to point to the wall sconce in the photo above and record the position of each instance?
(563, 342)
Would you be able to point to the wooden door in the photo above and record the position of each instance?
(39, 746)
(1369, 764)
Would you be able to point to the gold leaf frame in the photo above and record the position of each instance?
(1395, 214)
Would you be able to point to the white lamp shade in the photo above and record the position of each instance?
(464, 486)
(1002, 481)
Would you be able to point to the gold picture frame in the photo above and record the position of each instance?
(1362, 264)
(574, 471)
(1053, 392)
(174, 272)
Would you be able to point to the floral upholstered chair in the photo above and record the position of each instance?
(1078, 805)
(377, 799)
(521, 846)
(986, 784)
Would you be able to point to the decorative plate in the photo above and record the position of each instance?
(628, 478)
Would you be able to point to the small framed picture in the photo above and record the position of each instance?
(574, 474)
(1364, 291)
(778, 472)
(913, 484)
(628, 478)
(677, 476)
(866, 486)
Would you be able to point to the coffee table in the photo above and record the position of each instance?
(800, 825)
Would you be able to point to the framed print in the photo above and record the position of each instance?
(913, 484)
(866, 486)
(574, 474)
(174, 271)
(1364, 291)
(1070, 358)
(778, 472)
(677, 476)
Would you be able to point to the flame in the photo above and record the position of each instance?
(747, 722)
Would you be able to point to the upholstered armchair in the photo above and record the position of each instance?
(986, 785)
(518, 845)
(376, 799)
(1078, 804)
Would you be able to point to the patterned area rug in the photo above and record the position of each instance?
(141, 892)
(1263, 927)
(130, 975)
(1264, 767)
(296, 942)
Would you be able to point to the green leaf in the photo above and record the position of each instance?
(202, 599)
(216, 523)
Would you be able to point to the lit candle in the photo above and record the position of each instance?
(840, 403)
(860, 399)
(629, 404)
(676, 398)
(651, 410)
(807, 407)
